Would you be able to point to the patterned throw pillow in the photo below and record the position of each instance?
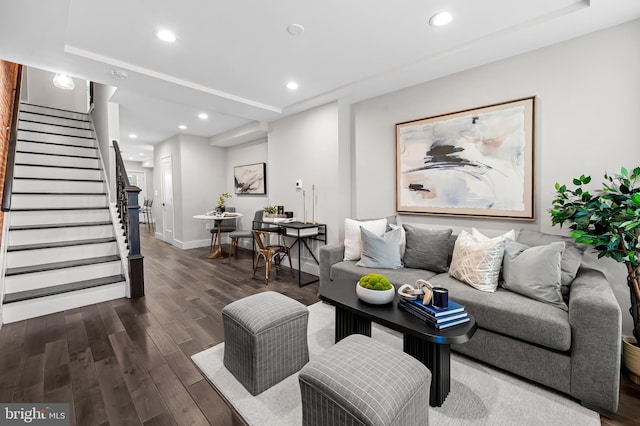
(478, 263)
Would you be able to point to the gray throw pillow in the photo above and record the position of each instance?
(534, 272)
(571, 257)
(426, 248)
(380, 252)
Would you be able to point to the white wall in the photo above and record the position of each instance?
(198, 178)
(203, 179)
(41, 91)
(306, 147)
(247, 204)
(586, 123)
(106, 120)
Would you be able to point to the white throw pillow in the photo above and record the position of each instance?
(477, 263)
(352, 241)
(403, 237)
(479, 236)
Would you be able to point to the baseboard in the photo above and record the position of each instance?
(193, 244)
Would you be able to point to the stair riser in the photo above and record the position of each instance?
(36, 236)
(24, 115)
(54, 217)
(51, 128)
(55, 149)
(54, 112)
(37, 280)
(16, 259)
(55, 160)
(19, 311)
(56, 172)
(22, 185)
(44, 137)
(20, 201)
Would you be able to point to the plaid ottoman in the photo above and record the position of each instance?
(265, 339)
(359, 381)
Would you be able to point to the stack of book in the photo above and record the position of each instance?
(454, 314)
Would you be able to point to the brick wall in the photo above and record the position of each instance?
(8, 77)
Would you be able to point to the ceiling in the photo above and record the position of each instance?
(233, 59)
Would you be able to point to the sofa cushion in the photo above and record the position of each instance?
(477, 262)
(426, 248)
(380, 252)
(352, 241)
(348, 271)
(571, 257)
(511, 314)
(534, 271)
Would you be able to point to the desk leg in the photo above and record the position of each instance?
(219, 253)
(437, 358)
(348, 323)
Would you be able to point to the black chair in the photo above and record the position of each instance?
(226, 226)
(244, 233)
(145, 211)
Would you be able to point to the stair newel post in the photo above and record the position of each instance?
(129, 211)
(136, 270)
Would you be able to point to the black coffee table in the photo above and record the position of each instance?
(425, 343)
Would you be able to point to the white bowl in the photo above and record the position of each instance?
(375, 297)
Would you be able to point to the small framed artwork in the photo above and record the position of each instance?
(250, 179)
(478, 162)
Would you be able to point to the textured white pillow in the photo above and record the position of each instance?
(352, 242)
(477, 263)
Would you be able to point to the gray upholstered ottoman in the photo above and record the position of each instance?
(363, 382)
(265, 339)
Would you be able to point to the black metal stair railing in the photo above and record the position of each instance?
(129, 211)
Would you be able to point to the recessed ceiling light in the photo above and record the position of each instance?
(166, 35)
(295, 29)
(130, 158)
(182, 127)
(203, 116)
(292, 85)
(142, 154)
(440, 19)
(133, 135)
(63, 81)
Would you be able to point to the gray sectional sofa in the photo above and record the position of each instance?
(576, 352)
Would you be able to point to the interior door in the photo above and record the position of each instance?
(167, 200)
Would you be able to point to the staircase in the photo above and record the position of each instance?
(62, 247)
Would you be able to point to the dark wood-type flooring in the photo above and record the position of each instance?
(127, 362)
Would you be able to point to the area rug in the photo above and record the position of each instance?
(480, 395)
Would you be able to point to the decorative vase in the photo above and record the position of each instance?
(220, 209)
(375, 297)
(631, 358)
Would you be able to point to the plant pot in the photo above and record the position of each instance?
(375, 297)
(631, 358)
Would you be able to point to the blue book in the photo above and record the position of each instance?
(451, 309)
(431, 319)
(440, 323)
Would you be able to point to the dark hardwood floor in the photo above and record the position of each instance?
(127, 362)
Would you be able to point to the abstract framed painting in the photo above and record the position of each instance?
(250, 179)
(477, 162)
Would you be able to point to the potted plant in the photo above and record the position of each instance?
(375, 289)
(270, 211)
(221, 200)
(609, 220)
